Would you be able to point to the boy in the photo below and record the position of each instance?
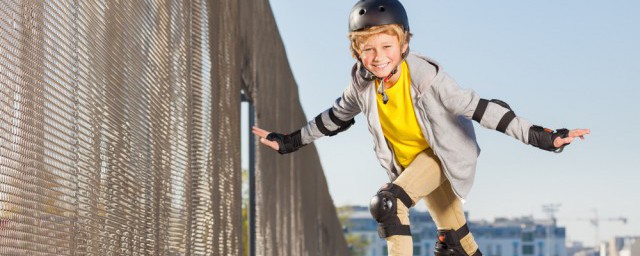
(421, 124)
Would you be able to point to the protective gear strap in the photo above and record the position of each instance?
(505, 120)
(482, 106)
(449, 244)
(320, 124)
(381, 88)
(383, 208)
(401, 230)
(400, 194)
(543, 138)
(343, 125)
(287, 142)
(337, 121)
(462, 231)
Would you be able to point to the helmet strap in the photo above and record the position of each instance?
(381, 89)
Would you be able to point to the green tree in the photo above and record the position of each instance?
(245, 212)
(358, 245)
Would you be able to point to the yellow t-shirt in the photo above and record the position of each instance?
(398, 120)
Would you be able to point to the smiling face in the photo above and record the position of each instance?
(381, 53)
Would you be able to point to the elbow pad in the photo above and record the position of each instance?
(543, 138)
(342, 125)
(287, 142)
(506, 118)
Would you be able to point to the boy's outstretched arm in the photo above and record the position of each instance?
(330, 122)
(326, 123)
(497, 115)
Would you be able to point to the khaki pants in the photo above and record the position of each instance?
(423, 179)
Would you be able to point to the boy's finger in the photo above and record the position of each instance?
(578, 132)
(260, 132)
(567, 140)
(271, 144)
(256, 129)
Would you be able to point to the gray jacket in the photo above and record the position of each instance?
(444, 112)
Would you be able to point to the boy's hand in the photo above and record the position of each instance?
(577, 133)
(550, 140)
(263, 138)
(283, 143)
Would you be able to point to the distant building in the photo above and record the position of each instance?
(502, 237)
(578, 249)
(621, 246)
(587, 252)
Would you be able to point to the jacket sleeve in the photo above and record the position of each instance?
(334, 120)
(492, 114)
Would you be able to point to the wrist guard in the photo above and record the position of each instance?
(287, 142)
(543, 138)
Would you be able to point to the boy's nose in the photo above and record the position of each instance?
(377, 56)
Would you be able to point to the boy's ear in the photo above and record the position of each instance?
(405, 47)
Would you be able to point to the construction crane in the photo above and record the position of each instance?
(551, 209)
(595, 222)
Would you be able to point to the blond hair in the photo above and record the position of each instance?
(357, 38)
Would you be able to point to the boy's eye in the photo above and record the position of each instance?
(366, 49)
(387, 46)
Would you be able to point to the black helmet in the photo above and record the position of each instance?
(369, 13)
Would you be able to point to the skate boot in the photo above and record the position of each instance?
(448, 243)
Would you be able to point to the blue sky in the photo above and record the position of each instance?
(573, 64)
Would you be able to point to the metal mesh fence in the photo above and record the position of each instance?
(120, 131)
(295, 213)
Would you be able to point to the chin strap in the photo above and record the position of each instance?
(381, 89)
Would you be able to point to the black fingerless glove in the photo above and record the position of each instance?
(287, 142)
(543, 138)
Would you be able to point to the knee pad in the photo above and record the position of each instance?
(384, 210)
(448, 243)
